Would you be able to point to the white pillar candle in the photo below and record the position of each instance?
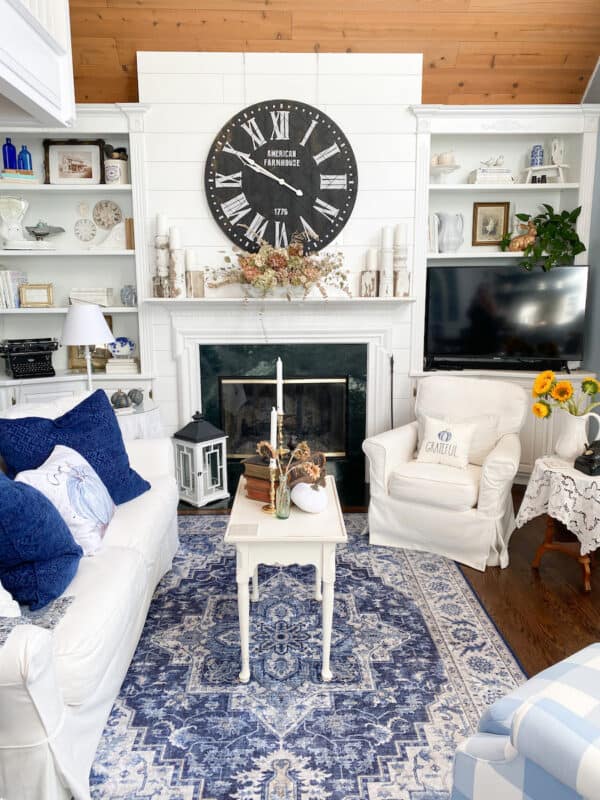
(387, 237)
(279, 386)
(190, 258)
(162, 225)
(400, 235)
(372, 259)
(274, 428)
(174, 239)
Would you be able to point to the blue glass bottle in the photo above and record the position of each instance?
(24, 159)
(9, 155)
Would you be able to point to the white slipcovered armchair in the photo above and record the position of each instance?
(464, 514)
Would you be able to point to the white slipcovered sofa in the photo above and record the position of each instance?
(57, 687)
(464, 514)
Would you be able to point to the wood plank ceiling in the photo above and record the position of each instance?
(475, 51)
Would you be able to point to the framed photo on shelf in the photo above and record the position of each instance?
(36, 295)
(74, 161)
(490, 223)
(100, 353)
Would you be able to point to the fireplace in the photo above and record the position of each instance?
(324, 402)
(315, 410)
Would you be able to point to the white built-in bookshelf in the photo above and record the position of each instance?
(72, 263)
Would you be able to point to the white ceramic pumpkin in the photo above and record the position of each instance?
(309, 499)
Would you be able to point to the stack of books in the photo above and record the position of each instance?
(10, 280)
(491, 175)
(258, 480)
(18, 176)
(122, 366)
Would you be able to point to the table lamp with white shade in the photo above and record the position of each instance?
(85, 325)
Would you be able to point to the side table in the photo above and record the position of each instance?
(142, 423)
(571, 497)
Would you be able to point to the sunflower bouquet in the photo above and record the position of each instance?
(552, 393)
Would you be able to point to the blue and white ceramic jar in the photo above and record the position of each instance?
(537, 156)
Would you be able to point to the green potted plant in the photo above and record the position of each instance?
(556, 240)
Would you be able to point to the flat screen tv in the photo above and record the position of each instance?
(504, 317)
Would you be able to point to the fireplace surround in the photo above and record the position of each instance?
(382, 328)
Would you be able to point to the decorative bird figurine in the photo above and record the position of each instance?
(493, 161)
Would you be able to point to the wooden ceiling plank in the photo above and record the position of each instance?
(499, 81)
(164, 24)
(375, 6)
(445, 26)
(96, 52)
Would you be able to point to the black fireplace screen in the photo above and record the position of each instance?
(316, 409)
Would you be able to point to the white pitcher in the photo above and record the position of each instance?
(573, 435)
(450, 231)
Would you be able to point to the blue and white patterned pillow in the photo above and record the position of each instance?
(78, 494)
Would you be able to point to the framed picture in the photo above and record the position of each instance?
(74, 161)
(490, 223)
(36, 295)
(100, 353)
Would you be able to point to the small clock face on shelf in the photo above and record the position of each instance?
(85, 229)
(280, 168)
(107, 214)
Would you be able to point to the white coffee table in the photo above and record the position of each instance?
(301, 539)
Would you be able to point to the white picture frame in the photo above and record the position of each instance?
(74, 163)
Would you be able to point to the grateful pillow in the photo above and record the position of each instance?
(78, 494)
(38, 555)
(91, 428)
(445, 443)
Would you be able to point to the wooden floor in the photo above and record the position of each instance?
(543, 617)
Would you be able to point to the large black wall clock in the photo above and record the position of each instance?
(280, 168)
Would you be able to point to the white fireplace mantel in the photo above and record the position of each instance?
(385, 329)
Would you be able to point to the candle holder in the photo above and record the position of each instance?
(281, 448)
(270, 507)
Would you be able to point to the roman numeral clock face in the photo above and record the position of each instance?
(277, 169)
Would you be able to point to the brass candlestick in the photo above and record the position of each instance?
(281, 449)
(270, 508)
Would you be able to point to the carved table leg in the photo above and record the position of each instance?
(244, 614)
(328, 564)
(572, 549)
(318, 594)
(255, 596)
(548, 539)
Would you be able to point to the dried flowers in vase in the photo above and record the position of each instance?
(285, 268)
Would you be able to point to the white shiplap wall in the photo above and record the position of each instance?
(192, 95)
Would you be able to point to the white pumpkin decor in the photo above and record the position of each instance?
(309, 499)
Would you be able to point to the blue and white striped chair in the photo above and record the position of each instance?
(541, 742)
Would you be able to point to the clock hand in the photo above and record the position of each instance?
(250, 162)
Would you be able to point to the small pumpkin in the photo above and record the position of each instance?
(119, 399)
(136, 396)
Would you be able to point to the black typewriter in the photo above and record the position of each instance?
(29, 358)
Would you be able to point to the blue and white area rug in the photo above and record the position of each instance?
(415, 661)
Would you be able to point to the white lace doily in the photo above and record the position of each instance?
(570, 496)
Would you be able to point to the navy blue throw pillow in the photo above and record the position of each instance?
(38, 555)
(90, 428)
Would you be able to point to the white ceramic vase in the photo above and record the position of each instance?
(450, 231)
(573, 435)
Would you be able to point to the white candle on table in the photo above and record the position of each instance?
(274, 428)
(387, 237)
(279, 386)
(372, 259)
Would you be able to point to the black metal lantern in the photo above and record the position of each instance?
(201, 462)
